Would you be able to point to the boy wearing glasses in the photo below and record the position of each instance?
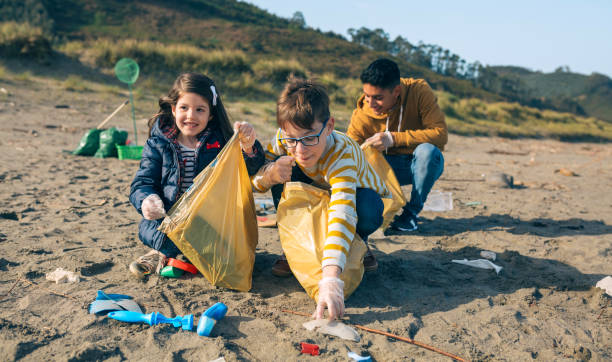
(306, 148)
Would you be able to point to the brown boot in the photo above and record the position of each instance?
(281, 267)
(369, 261)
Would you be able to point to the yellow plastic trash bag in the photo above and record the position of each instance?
(214, 223)
(302, 226)
(385, 172)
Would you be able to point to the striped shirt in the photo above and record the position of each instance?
(187, 158)
(341, 169)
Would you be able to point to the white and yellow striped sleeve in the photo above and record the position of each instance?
(342, 214)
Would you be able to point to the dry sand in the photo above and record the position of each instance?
(553, 237)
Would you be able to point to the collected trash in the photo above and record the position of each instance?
(355, 357)
(105, 303)
(302, 228)
(219, 242)
(60, 275)
(487, 254)
(153, 319)
(605, 284)
(333, 328)
(439, 201)
(500, 179)
(311, 349)
(210, 317)
(480, 263)
(91, 139)
(109, 139)
(386, 174)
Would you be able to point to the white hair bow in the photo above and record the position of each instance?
(214, 92)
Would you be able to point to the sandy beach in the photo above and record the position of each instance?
(552, 234)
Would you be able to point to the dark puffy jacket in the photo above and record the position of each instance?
(159, 174)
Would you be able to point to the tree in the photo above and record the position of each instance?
(297, 20)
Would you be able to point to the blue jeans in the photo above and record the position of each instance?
(368, 203)
(420, 169)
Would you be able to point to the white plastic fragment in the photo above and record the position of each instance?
(480, 263)
(220, 359)
(355, 357)
(439, 201)
(60, 275)
(605, 284)
(333, 328)
(488, 255)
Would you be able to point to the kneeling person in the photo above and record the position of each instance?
(306, 148)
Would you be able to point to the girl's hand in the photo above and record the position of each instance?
(246, 134)
(153, 207)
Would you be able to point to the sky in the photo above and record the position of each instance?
(540, 35)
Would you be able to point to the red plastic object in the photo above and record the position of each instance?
(182, 265)
(311, 349)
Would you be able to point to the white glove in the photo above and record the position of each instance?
(331, 295)
(153, 207)
(380, 141)
(246, 135)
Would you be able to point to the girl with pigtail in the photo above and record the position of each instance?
(187, 133)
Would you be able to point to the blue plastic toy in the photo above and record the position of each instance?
(153, 319)
(210, 317)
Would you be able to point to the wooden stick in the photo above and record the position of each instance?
(50, 291)
(112, 114)
(13, 287)
(394, 336)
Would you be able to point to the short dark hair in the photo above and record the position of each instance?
(383, 73)
(301, 103)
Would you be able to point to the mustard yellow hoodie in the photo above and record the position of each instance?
(422, 120)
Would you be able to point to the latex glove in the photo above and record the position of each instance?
(280, 171)
(153, 207)
(380, 141)
(246, 135)
(331, 295)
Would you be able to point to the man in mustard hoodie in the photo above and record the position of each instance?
(401, 118)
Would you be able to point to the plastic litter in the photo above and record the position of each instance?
(439, 201)
(171, 272)
(60, 275)
(480, 263)
(311, 349)
(220, 359)
(333, 328)
(605, 284)
(210, 317)
(487, 254)
(473, 203)
(105, 303)
(355, 357)
(153, 319)
(190, 268)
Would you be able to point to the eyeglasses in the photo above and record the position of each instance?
(311, 140)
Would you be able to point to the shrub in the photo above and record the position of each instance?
(278, 71)
(24, 40)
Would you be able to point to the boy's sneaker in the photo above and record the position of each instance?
(407, 221)
(151, 262)
(281, 267)
(369, 262)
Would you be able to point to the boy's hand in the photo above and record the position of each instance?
(380, 141)
(246, 135)
(280, 171)
(153, 207)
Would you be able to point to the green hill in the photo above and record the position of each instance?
(577, 93)
(250, 53)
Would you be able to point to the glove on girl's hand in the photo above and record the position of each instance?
(331, 295)
(246, 135)
(153, 207)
